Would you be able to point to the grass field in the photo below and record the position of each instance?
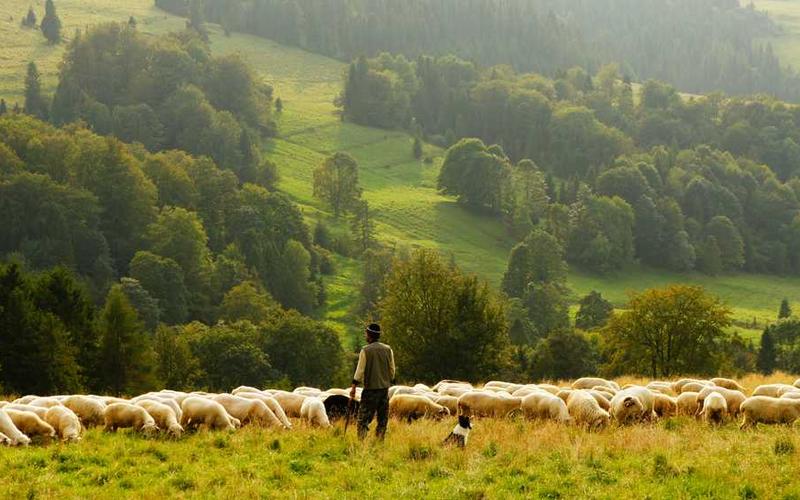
(401, 191)
(674, 458)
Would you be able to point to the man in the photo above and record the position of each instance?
(376, 371)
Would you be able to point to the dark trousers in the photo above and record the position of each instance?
(373, 401)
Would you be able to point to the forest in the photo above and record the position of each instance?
(696, 45)
(148, 244)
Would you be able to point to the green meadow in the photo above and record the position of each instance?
(408, 210)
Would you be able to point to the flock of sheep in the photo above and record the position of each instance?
(589, 402)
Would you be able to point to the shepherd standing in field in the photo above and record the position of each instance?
(376, 371)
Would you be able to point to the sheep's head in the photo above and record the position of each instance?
(176, 430)
(149, 429)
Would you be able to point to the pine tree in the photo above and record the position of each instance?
(197, 20)
(784, 312)
(362, 226)
(417, 148)
(34, 102)
(278, 105)
(766, 354)
(3, 107)
(126, 359)
(51, 24)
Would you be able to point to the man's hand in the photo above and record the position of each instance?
(352, 392)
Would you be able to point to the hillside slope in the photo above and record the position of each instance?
(401, 190)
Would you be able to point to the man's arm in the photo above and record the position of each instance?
(391, 366)
(358, 376)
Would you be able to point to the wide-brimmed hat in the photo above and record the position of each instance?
(374, 329)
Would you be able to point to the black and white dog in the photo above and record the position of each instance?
(460, 433)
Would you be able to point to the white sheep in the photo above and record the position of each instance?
(89, 411)
(584, 410)
(65, 422)
(715, 407)
(413, 406)
(487, 404)
(163, 415)
(769, 410)
(127, 415)
(248, 410)
(733, 398)
(313, 411)
(205, 413)
(30, 424)
(545, 406)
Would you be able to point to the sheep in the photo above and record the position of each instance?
(412, 407)
(271, 403)
(172, 403)
(552, 389)
(201, 412)
(602, 399)
(771, 390)
(290, 402)
(25, 399)
(797, 383)
(456, 390)
(126, 415)
(545, 406)
(622, 406)
(769, 410)
(487, 404)
(786, 390)
(4, 403)
(694, 387)
(314, 412)
(727, 383)
(791, 395)
(163, 415)
(245, 388)
(307, 391)
(664, 405)
(449, 402)
(4, 440)
(65, 422)
(30, 424)
(248, 410)
(591, 382)
(446, 382)
(678, 385)
(14, 436)
(584, 410)
(423, 387)
(733, 398)
(661, 387)
(45, 402)
(89, 411)
(41, 412)
(714, 408)
(605, 390)
(626, 407)
(687, 403)
(401, 389)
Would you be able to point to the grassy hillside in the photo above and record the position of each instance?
(401, 190)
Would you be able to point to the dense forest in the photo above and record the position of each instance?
(697, 45)
(707, 183)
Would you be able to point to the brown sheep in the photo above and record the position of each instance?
(30, 424)
(769, 410)
(65, 422)
(412, 406)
